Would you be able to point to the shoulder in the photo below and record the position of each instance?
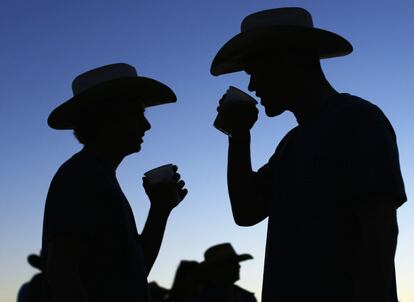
(78, 169)
(249, 296)
(359, 114)
(286, 139)
(78, 179)
(355, 108)
(22, 294)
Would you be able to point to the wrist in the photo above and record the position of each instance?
(160, 211)
(239, 138)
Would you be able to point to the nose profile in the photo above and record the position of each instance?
(146, 124)
(252, 84)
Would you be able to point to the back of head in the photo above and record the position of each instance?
(187, 282)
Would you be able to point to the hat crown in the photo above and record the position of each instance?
(220, 251)
(287, 16)
(102, 74)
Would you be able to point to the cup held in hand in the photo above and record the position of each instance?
(234, 94)
(160, 174)
(164, 175)
(234, 99)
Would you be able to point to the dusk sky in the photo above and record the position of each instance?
(45, 44)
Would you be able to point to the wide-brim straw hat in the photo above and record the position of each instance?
(280, 28)
(110, 83)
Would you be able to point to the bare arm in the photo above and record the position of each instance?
(375, 262)
(248, 205)
(62, 270)
(164, 198)
(236, 121)
(152, 236)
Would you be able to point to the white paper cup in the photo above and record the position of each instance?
(161, 174)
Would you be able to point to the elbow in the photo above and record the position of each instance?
(245, 220)
(246, 216)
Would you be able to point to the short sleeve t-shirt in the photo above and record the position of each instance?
(85, 202)
(312, 182)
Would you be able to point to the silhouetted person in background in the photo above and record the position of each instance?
(333, 185)
(221, 269)
(91, 246)
(187, 282)
(157, 293)
(32, 291)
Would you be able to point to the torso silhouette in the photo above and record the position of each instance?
(231, 293)
(85, 202)
(349, 149)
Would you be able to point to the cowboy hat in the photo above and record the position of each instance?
(114, 83)
(35, 261)
(222, 253)
(280, 28)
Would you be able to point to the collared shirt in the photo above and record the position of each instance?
(312, 182)
(86, 203)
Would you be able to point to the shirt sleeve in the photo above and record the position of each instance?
(371, 165)
(266, 178)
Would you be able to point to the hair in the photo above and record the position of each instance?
(89, 121)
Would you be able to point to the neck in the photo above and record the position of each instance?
(313, 100)
(105, 154)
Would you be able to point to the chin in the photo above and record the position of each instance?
(133, 149)
(272, 108)
(272, 112)
(137, 148)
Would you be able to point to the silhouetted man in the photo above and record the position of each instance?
(91, 246)
(333, 185)
(187, 282)
(220, 270)
(32, 291)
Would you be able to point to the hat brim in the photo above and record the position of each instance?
(35, 261)
(232, 55)
(244, 257)
(140, 90)
(238, 258)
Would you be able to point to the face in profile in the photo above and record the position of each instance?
(127, 129)
(276, 81)
(229, 271)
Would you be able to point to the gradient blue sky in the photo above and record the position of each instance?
(45, 44)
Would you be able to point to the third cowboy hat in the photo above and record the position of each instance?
(289, 27)
(222, 253)
(114, 83)
(35, 261)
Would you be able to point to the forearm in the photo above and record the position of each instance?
(247, 206)
(152, 235)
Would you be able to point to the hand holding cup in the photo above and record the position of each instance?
(237, 112)
(164, 187)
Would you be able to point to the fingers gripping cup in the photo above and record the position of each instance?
(164, 175)
(234, 100)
